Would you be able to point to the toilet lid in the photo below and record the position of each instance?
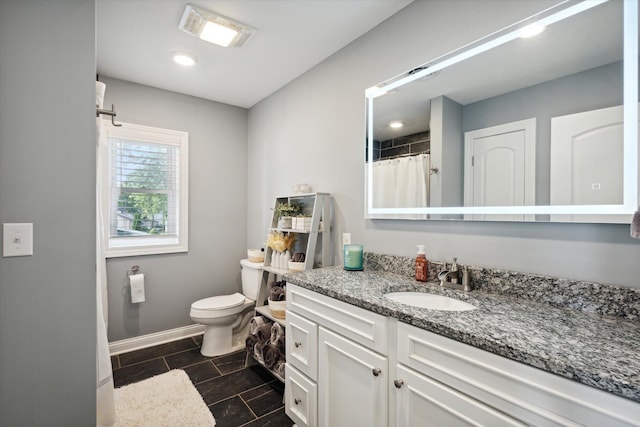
(220, 302)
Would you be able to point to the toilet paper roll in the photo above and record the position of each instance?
(137, 288)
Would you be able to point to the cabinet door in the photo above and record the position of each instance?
(422, 401)
(352, 383)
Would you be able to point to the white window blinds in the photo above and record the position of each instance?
(144, 188)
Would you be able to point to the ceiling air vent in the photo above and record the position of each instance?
(214, 28)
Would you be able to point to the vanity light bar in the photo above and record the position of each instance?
(513, 34)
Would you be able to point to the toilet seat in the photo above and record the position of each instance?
(221, 302)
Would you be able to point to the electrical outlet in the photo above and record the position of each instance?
(346, 239)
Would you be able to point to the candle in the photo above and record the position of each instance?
(353, 257)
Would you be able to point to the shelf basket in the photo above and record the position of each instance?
(278, 309)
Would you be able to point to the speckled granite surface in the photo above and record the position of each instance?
(600, 351)
(605, 300)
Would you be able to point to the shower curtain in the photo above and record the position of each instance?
(401, 182)
(105, 405)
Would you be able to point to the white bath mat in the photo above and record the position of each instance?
(166, 400)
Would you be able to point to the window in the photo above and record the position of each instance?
(145, 191)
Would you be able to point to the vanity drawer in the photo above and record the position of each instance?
(362, 326)
(302, 345)
(300, 397)
(521, 391)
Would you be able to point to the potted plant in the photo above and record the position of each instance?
(285, 212)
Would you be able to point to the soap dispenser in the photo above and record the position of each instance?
(421, 265)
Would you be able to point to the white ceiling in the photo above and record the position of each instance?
(135, 39)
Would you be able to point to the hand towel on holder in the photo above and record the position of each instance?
(137, 288)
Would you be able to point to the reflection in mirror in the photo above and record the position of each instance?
(514, 128)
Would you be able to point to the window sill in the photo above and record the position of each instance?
(134, 247)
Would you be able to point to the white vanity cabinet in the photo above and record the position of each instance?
(347, 366)
(337, 365)
(440, 381)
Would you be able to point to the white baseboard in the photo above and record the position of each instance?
(144, 341)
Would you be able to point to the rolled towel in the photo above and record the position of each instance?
(255, 323)
(279, 367)
(257, 352)
(280, 343)
(271, 355)
(250, 342)
(263, 333)
(277, 294)
(635, 225)
(277, 331)
(277, 284)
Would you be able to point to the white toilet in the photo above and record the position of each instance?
(227, 317)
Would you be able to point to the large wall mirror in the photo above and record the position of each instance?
(537, 122)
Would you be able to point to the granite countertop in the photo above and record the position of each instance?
(599, 351)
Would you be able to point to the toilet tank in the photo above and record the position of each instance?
(251, 278)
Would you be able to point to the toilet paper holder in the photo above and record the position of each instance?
(133, 270)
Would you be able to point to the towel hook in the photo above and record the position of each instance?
(133, 270)
(111, 113)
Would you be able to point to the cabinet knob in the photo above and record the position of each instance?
(297, 344)
(398, 383)
(376, 371)
(297, 400)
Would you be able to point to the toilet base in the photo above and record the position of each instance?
(220, 340)
(216, 341)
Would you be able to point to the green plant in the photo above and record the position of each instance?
(287, 209)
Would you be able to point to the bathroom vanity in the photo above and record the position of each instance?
(355, 357)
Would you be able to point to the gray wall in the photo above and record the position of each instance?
(217, 211)
(326, 104)
(47, 177)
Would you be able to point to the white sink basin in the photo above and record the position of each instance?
(430, 301)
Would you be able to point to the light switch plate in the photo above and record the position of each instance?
(17, 239)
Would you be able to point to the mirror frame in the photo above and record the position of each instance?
(546, 17)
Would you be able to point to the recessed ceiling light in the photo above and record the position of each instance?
(531, 30)
(183, 58)
(214, 28)
(396, 124)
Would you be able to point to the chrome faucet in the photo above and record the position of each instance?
(454, 279)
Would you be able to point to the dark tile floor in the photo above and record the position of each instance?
(237, 396)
